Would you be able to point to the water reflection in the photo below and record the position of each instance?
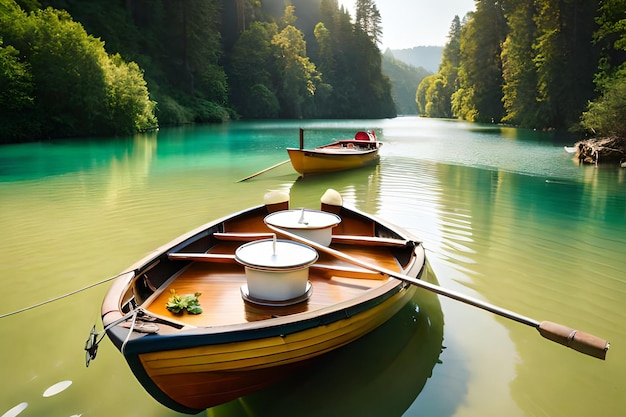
(356, 379)
(132, 170)
(359, 188)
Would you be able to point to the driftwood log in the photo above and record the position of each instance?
(610, 150)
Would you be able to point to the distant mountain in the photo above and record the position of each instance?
(404, 80)
(427, 57)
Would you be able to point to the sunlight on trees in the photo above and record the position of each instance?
(77, 88)
(531, 63)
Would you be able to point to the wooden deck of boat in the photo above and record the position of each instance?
(220, 285)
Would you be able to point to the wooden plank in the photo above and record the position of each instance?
(202, 257)
(341, 239)
(324, 269)
(368, 240)
(243, 237)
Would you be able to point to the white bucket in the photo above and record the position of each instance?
(314, 225)
(276, 270)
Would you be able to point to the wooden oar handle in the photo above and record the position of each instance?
(577, 340)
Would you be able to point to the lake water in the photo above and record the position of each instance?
(505, 215)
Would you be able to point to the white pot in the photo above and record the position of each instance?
(314, 225)
(276, 270)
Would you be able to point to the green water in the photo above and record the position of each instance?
(505, 216)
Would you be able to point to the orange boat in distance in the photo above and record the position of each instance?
(336, 156)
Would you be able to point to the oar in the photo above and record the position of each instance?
(264, 170)
(582, 342)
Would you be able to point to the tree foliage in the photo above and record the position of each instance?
(368, 20)
(252, 72)
(605, 116)
(520, 96)
(200, 61)
(481, 42)
(434, 93)
(564, 60)
(533, 63)
(17, 98)
(298, 75)
(71, 87)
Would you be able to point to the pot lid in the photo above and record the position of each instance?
(303, 219)
(280, 254)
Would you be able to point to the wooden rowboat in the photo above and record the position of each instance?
(336, 156)
(245, 340)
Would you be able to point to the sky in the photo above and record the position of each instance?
(409, 23)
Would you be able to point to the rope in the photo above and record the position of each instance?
(130, 330)
(94, 339)
(60, 297)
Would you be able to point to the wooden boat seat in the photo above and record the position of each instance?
(324, 269)
(368, 240)
(242, 237)
(201, 257)
(340, 239)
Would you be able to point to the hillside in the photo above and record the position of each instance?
(404, 80)
(427, 57)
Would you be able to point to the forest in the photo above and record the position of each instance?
(542, 64)
(72, 68)
(104, 67)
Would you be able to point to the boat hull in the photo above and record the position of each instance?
(204, 376)
(324, 160)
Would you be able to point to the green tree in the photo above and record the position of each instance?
(479, 97)
(565, 59)
(420, 95)
(68, 74)
(432, 97)
(327, 66)
(518, 65)
(325, 45)
(463, 101)
(298, 75)
(16, 97)
(368, 20)
(189, 34)
(252, 69)
(605, 116)
(451, 57)
(75, 84)
(610, 37)
(130, 108)
(434, 93)
(335, 60)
